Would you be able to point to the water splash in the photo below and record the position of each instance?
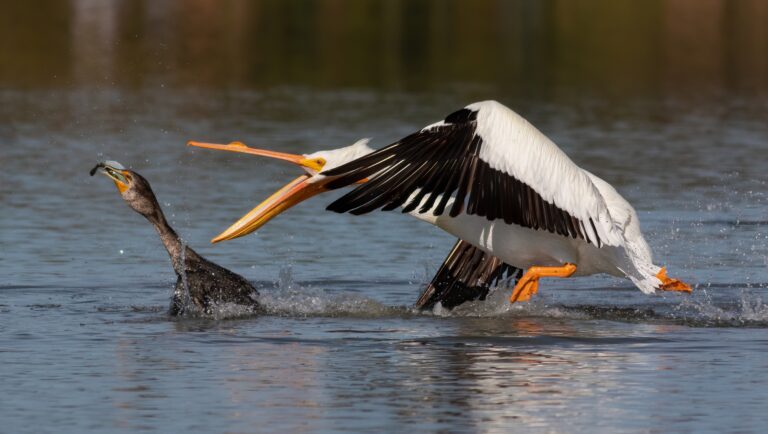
(718, 305)
(497, 305)
(292, 299)
(184, 297)
(727, 309)
(748, 310)
(285, 278)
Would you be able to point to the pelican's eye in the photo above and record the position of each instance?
(316, 164)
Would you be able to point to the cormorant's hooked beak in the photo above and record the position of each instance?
(116, 172)
(296, 191)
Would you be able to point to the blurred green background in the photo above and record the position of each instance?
(525, 47)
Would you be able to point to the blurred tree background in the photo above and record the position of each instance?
(521, 47)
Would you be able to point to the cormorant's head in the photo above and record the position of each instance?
(134, 189)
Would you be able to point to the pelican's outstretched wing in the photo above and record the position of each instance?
(467, 274)
(483, 160)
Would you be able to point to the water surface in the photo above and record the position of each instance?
(85, 344)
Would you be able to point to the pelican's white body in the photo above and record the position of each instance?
(523, 247)
(512, 145)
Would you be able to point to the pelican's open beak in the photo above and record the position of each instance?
(294, 192)
(116, 172)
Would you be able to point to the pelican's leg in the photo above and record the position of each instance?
(669, 284)
(529, 283)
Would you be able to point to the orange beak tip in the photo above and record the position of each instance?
(219, 238)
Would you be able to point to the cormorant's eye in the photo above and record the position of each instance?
(124, 178)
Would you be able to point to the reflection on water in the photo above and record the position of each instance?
(350, 374)
(532, 368)
(665, 99)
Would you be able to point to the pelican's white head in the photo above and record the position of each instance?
(334, 158)
(309, 184)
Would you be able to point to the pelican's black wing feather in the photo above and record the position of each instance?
(467, 274)
(424, 170)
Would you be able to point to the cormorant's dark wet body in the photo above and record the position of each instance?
(208, 284)
(199, 281)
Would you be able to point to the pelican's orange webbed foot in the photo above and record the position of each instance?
(529, 283)
(524, 289)
(669, 284)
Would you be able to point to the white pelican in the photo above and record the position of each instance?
(487, 176)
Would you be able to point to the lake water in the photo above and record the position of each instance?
(676, 122)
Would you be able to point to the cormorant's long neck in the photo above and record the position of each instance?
(170, 239)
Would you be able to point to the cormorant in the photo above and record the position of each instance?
(199, 281)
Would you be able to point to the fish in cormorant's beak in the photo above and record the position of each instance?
(302, 188)
(115, 171)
